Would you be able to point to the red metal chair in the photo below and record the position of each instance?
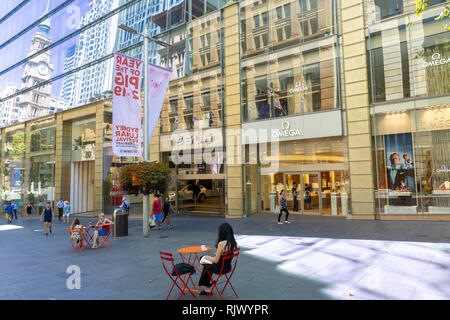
(105, 227)
(76, 239)
(167, 262)
(226, 256)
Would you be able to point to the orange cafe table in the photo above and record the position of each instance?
(190, 254)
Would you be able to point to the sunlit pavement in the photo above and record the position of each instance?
(311, 258)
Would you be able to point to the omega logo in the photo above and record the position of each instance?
(285, 131)
(299, 86)
(285, 125)
(436, 60)
(436, 56)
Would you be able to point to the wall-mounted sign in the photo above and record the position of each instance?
(191, 139)
(436, 60)
(286, 131)
(442, 169)
(299, 87)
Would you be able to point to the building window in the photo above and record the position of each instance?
(388, 8)
(189, 102)
(173, 104)
(206, 99)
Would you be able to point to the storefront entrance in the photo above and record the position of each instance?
(318, 193)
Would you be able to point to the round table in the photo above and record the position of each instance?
(190, 255)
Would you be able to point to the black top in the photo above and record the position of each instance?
(294, 193)
(29, 209)
(166, 207)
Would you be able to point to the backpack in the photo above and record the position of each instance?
(183, 268)
(126, 206)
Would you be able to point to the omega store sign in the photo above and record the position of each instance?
(307, 126)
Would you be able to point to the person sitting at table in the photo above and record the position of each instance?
(76, 225)
(102, 221)
(225, 242)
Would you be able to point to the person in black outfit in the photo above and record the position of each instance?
(225, 242)
(30, 209)
(195, 191)
(294, 197)
(167, 206)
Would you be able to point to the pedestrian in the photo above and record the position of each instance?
(307, 199)
(282, 202)
(294, 197)
(166, 208)
(225, 242)
(60, 206)
(29, 209)
(102, 221)
(157, 210)
(47, 214)
(195, 192)
(9, 212)
(14, 205)
(66, 211)
(125, 206)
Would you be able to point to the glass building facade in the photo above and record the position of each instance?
(409, 67)
(352, 135)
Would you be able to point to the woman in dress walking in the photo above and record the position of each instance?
(30, 209)
(282, 202)
(47, 214)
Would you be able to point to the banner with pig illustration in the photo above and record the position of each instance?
(127, 107)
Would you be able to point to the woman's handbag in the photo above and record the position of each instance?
(277, 209)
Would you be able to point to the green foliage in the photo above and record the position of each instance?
(145, 178)
(422, 4)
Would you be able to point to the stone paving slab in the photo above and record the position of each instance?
(311, 258)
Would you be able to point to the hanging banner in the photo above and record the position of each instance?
(127, 107)
(158, 82)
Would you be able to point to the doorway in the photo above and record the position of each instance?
(318, 193)
(82, 186)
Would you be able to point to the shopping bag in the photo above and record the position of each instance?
(6, 216)
(152, 221)
(277, 210)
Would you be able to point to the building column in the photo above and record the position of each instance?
(27, 167)
(62, 158)
(98, 167)
(358, 113)
(232, 113)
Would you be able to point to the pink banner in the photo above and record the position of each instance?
(157, 82)
(127, 107)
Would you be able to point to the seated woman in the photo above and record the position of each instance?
(225, 242)
(102, 221)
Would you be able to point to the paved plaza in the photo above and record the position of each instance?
(311, 258)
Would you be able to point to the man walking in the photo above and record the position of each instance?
(14, 207)
(60, 206)
(9, 211)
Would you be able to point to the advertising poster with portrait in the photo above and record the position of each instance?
(127, 107)
(399, 162)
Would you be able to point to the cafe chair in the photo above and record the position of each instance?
(175, 276)
(226, 276)
(104, 239)
(76, 239)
